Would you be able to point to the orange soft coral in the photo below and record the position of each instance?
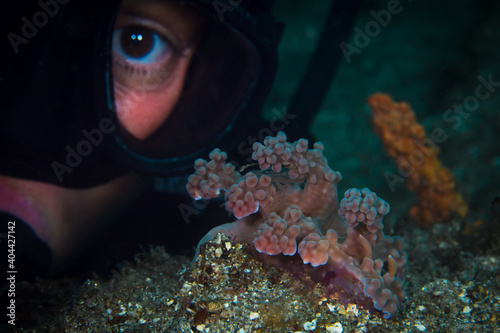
(416, 155)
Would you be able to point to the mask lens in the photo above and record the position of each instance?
(179, 78)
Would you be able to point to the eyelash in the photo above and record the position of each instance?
(134, 70)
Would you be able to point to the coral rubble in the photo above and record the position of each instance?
(290, 207)
(416, 155)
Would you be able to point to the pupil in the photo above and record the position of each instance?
(137, 41)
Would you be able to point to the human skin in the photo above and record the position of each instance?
(147, 91)
(65, 219)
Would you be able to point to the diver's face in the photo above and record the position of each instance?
(153, 44)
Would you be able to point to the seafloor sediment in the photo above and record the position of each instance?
(226, 289)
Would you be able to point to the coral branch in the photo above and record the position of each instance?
(294, 200)
(363, 206)
(405, 140)
(248, 194)
(211, 176)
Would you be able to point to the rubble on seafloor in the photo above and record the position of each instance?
(226, 289)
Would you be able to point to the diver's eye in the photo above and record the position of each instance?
(143, 57)
(139, 44)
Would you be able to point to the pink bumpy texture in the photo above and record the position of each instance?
(290, 206)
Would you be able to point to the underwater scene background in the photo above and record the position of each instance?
(440, 57)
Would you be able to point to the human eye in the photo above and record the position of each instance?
(141, 52)
(139, 45)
